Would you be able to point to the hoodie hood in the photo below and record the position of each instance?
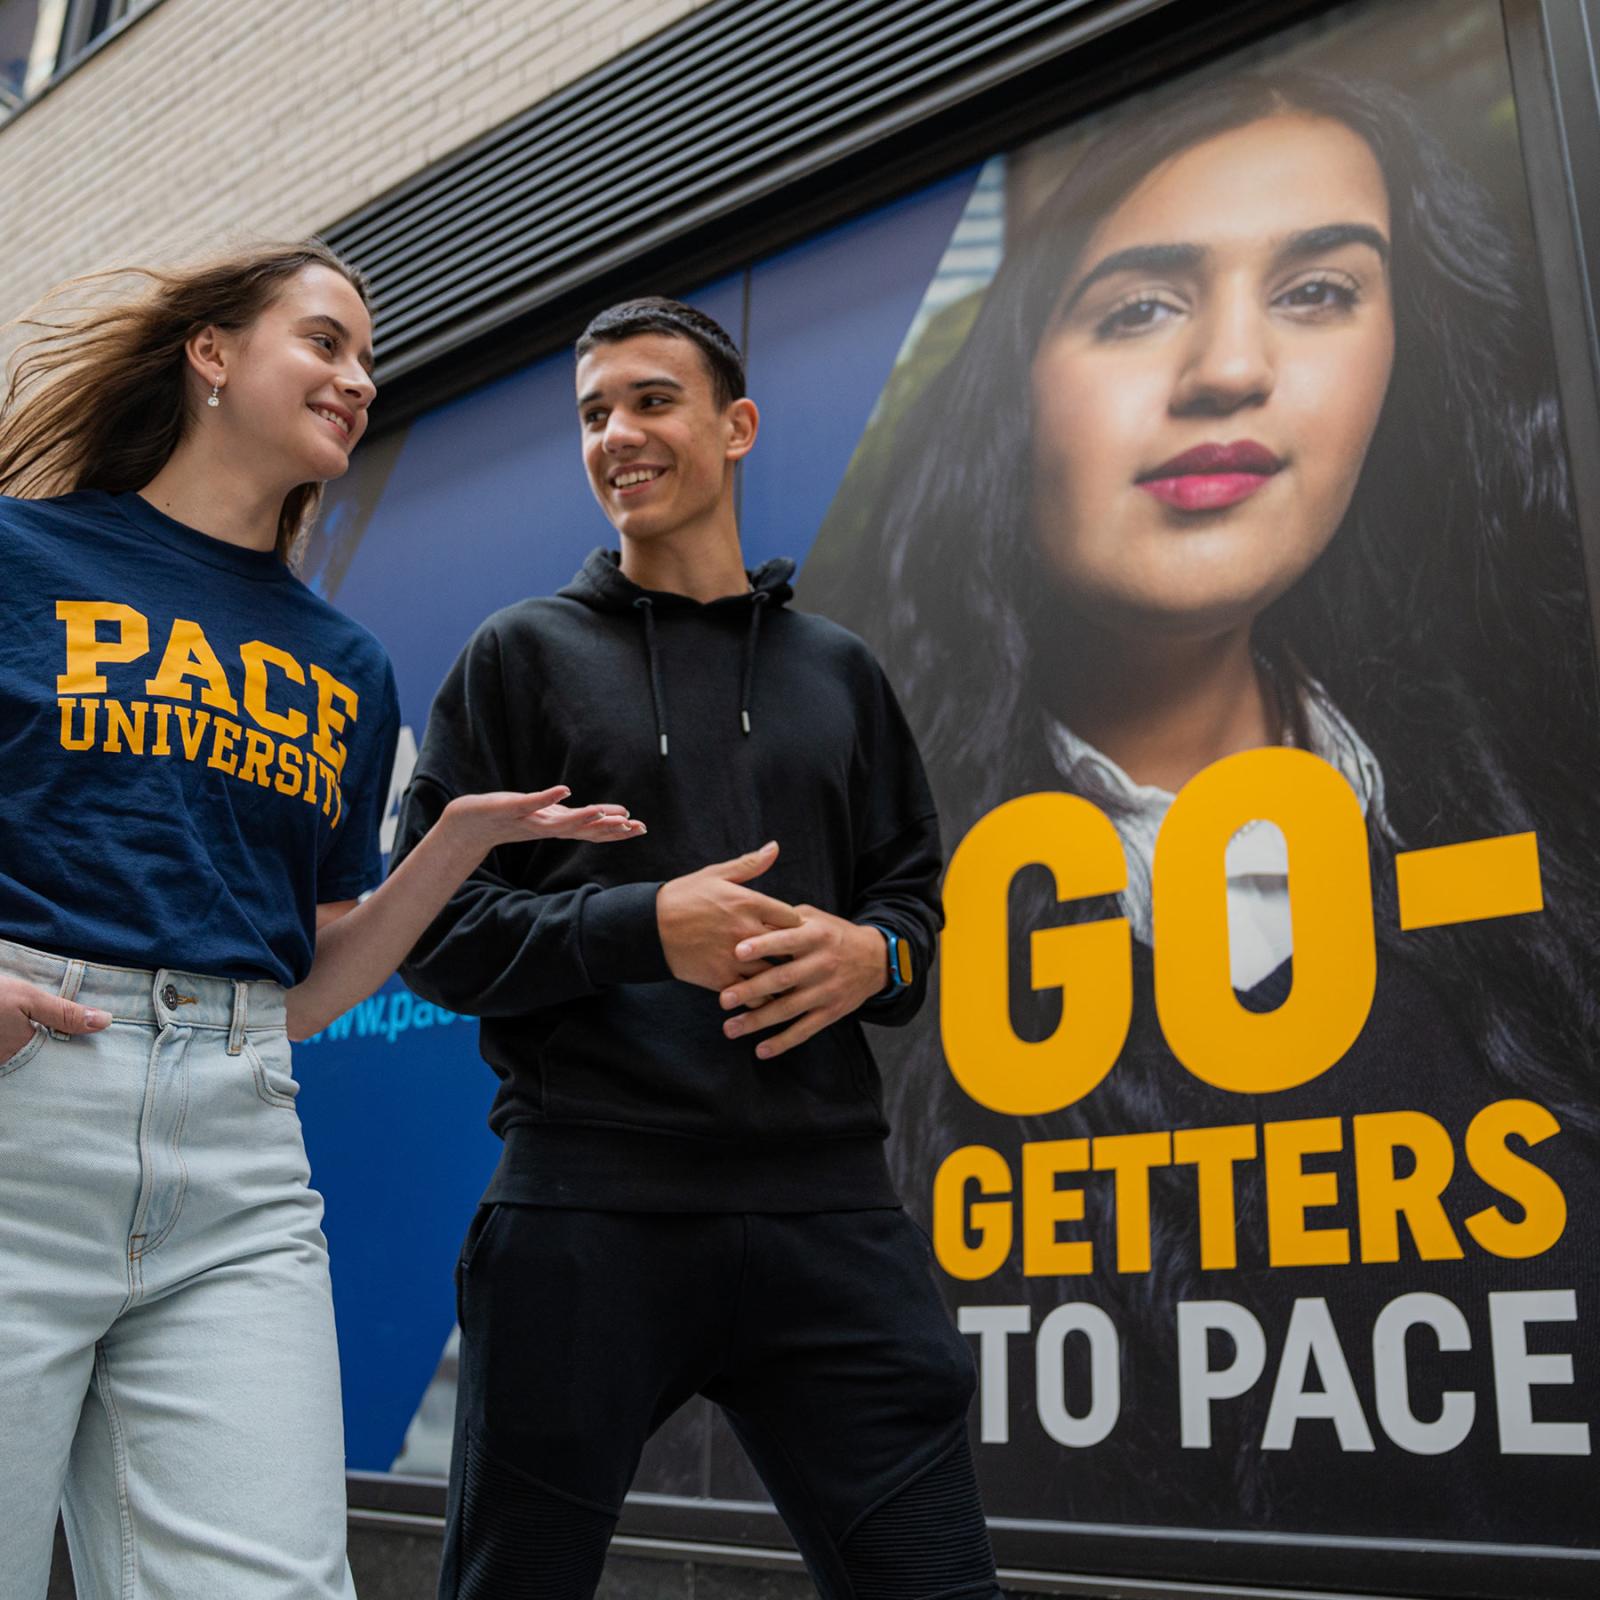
(600, 584)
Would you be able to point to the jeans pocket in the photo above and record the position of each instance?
(27, 1052)
(274, 1078)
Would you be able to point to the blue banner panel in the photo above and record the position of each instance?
(479, 503)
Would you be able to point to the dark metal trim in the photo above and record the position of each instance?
(1126, 1563)
(1555, 69)
(729, 106)
(496, 254)
(1161, 1560)
(758, 1558)
(718, 1548)
(1100, 52)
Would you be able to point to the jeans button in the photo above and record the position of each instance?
(169, 996)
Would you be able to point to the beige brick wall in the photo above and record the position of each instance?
(209, 118)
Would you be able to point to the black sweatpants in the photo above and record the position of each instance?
(822, 1337)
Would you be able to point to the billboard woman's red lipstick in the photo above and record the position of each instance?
(1212, 476)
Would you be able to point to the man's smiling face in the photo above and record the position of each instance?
(657, 446)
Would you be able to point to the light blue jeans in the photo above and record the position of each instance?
(168, 1371)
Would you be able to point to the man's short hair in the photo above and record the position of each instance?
(654, 313)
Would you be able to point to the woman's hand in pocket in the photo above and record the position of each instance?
(23, 1004)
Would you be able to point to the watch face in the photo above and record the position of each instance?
(902, 960)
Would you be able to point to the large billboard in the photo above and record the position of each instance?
(1198, 475)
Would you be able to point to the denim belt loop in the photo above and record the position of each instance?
(241, 1017)
(70, 980)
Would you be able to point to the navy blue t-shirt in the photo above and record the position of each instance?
(195, 750)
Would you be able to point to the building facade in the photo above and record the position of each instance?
(141, 131)
(1224, 1144)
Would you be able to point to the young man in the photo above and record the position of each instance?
(693, 1197)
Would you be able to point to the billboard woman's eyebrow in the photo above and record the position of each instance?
(1333, 236)
(1138, 258)
(1186, 257)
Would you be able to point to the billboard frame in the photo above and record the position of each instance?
(1554, 53)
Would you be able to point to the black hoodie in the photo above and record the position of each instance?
(722, 725)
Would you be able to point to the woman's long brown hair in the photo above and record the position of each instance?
(97, 398)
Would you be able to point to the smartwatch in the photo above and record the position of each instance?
(899, 960)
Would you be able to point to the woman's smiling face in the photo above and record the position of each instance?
(1210, 378)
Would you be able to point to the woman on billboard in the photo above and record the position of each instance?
(1246, 447)
(197, 752)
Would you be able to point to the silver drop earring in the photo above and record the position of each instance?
(216, 390)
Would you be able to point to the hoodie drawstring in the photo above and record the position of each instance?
(758, 603)
(657, 694)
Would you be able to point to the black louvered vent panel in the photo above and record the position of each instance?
(719, 110)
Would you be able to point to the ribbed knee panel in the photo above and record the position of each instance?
(522, 1542)
(926, 1539)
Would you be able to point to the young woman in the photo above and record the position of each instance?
(197, 753)
(1248, 445)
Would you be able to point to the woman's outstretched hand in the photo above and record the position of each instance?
(356, 951)
(488, 820)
